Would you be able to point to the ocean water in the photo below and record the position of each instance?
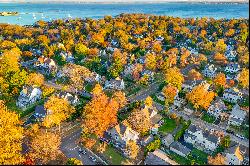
(30, 13)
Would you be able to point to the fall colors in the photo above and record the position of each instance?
(136, 88)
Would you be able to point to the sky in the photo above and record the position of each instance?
(124, 1)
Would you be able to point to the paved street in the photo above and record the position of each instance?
(70, 148)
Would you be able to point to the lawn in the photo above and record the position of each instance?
(168, 126)
(110, 154)
(208, 118)
(179, 159)
(133, 90)
(200, 156)
(88, 87)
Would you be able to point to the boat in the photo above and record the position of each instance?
(9, 13)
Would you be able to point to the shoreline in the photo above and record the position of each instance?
(125, 1)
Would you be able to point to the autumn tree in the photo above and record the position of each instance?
(74, 161)
(219, 159)
(220, 46)
(148, 101)
(150, 61)
(132, 149)
(174, 77)
(100, 113)
(81, 50)
(220, 58)
(127, 162)
(58, 110)
(45, 146)
(194, 75)
(220, 80)
(244, 78)
(35, 79)
(200, 97)
(120, 98)
(152, 146)
(140, 120)
(169, 93)
(11, 137)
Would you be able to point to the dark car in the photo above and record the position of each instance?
(82, 151)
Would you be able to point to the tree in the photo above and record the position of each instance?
(132, 149)
(200, 97)
(219, 159)
(169, 93)
(127, 162)
(244, 78)
(220, 46)
(149, 101)
(81, 50)
(74, 161)
(174, 77)
(120, 98)
(11, 134)
(150, 61)
(194, 75)
(220, 58)
(140, 120)
(58, 110)
(45, 146)
(100, 113)
(220, 80)
(152, 146)
(35, 79)
(225, 142)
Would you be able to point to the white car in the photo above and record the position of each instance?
(239, 136)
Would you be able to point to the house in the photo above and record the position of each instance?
(179, 102)
(40, 112)
(142, 59)
(188, 85)
(237, 116)
(146, 140)
(167, 140)
(234, 156)
(179, 149)
(72, 99)
(94, 77)
(231, 55)
(232, 68)
(67, 56)
(161, 96)
(46, 64)
(149, 73)
(216, 108)
(201, 139)
(188, 110)
(28, 96)
(117, 84)
(209, 71)
(153, 114)
(159, 38)
(128, 69)
(158, 157)
(122, 133)
(232, 95)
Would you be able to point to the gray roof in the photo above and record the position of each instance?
(179, 147)
(40, 111)
(168, 139)
(158, 157)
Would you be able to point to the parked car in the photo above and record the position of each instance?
(92, 158)
(82, 151)
(239, 136)
(230, 131)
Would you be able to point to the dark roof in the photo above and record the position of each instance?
(158, 157)
(39, 110)
(181, 148)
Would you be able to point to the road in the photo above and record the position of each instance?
(70, 148)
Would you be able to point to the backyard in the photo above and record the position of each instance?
(208, 118)
(168, 126)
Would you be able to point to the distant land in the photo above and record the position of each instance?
(122, 1)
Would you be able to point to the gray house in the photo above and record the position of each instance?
(158, 157)
(179, 149)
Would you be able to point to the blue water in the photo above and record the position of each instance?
(30, 13)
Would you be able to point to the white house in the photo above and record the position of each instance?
(201, 139)
(46, 64)
(237, 116)
(232, 95)
(72, 99)
(122, 133)
(28, 96)
(233, 156)
(117, 84)
(179, 149)
(231, 55)
(209, 71)
(232, 68)
(216, 108)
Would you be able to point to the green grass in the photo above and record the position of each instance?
(134, 90)
(208, 118)
(179, 159)
(157, 100)
(110, 154)
(88, 87)
(168, 126)
(200, 156)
